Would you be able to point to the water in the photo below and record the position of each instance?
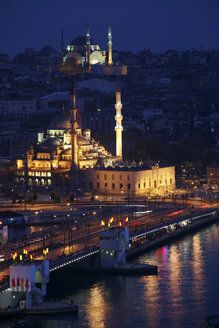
(184, 292)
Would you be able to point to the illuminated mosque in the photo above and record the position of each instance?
(83, 55)
(66, 156)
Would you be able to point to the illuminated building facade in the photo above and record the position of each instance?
(53, 161)
(66, 156)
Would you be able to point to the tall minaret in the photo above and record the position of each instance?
(74, 141)
(62, 41)
(88, 44)
(118, 118)
(110, 57)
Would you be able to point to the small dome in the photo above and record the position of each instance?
(47, 50)
(83, 141)
(60, 123)
(51, 142)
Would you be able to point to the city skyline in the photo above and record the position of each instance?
(156, 25)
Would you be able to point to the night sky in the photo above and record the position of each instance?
(136, 25)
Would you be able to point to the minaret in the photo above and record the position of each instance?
(110, 57)
(118, 118)
(88, 45)
(62, 41)
(74, 141)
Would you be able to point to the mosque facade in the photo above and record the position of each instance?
(83, 55)
(66, 156)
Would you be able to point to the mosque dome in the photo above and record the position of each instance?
(80, 41)
(73, 58)
(60, 123)
(47, 50)
(51, 142)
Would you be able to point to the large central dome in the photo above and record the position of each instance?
(80, 41)
(60, 123)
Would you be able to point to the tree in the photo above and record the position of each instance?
(53, 195)
(58, 198)
(34, 195)
(71, 196)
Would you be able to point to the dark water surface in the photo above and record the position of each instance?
(184, 292)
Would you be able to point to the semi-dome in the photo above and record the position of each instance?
(51, 142)
(80, 41)
(83, 141)
(60, 123)
(96, 58)
(73, 58)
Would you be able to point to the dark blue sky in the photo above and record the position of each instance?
(137, 24)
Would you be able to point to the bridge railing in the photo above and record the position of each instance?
(57, 264)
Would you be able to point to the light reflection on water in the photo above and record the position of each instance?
(96, 308)
(184, 292)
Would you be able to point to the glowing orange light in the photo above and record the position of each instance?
(174, 213)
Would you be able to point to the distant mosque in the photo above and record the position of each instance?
(66, 156)
(83, 55)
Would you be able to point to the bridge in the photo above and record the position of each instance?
(145, 235)
(73, 258)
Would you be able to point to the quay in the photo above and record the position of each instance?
(124, 269)
(46, 308)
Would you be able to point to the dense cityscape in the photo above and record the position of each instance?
(109, 175)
